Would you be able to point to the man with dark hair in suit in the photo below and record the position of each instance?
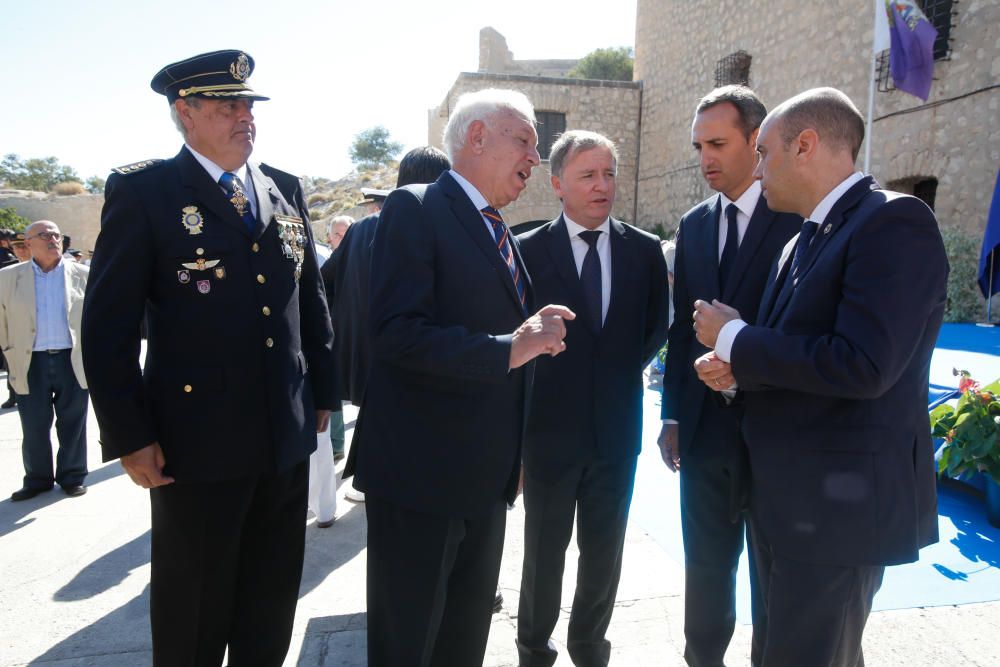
(725, 248)
(437, 446)
(834, 375)
(217, 253)
(584, 428)
(346, 278)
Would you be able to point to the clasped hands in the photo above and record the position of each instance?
(708, 319)
(542, 333)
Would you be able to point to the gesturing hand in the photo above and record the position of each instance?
(542, 333)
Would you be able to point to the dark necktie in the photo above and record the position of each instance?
(801, 246)
(590, 280)
(730, 249)
(502, 237)
(238, 198)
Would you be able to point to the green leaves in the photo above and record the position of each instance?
(971, 431)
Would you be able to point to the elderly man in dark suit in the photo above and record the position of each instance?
(437, 445)
(725, 248)
(584, 426)
(217, 253)
(834, 373)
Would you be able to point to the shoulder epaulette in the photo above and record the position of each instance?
(136, 167)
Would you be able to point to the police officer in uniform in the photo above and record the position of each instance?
(217, 253)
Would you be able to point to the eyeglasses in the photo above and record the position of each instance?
(47, 236)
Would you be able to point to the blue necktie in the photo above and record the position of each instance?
(502, 237)
(238, 198)
(590, 280)
(801, 246)
(730, 249)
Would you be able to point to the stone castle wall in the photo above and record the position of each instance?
(608, 107)
(955, 138)
(78, 216)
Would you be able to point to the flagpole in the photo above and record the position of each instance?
(871, 93)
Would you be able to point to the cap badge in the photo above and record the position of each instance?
(240, 68)
(192, 220)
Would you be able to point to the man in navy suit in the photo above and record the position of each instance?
(834, 374)
(585, 417)
(438, 441)
(725, 248)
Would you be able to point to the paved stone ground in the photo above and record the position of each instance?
(74, 575)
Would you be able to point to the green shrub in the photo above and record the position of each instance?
(9, 219)
(965, 303)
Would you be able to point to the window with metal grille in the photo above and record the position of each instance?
(941, 14)
(550, 125)
(733, 69)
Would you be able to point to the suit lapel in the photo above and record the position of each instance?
(267, 198)
(831, 225)
(561, 250)
(24, 285)
(621, 253)
(757, 228)
(707, 246)
(471, 220)
(207, 192)
(834, 221)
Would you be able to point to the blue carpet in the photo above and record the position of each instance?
(963, 567)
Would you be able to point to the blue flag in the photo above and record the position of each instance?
(911, 54)
(991, 247)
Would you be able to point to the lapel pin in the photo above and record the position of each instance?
(826, 230)
(204, 286)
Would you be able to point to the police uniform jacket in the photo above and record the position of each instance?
(239, 337)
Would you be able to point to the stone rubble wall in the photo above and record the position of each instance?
(78, 216)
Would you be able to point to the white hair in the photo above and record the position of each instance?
(482, 105)
(178, 123)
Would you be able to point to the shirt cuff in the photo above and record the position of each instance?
(670, 421)
(724, 341)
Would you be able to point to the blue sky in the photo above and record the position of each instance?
(76, 74)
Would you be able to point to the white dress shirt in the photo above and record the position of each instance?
(478, 200)
(216, 172)
(51, 320)
(580, 248)
(729, 331)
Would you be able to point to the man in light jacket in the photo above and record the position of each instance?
(41, 303)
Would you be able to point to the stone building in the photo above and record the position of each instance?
(561, 103)
(946, 150)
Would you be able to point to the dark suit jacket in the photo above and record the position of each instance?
(441, 420)
(587, 401)
(221, 402)
(835, 379)
(696, 276)
(346, 277)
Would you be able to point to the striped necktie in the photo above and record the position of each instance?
(238, 198)
(501, 235)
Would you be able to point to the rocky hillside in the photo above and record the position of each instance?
(327, 198)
